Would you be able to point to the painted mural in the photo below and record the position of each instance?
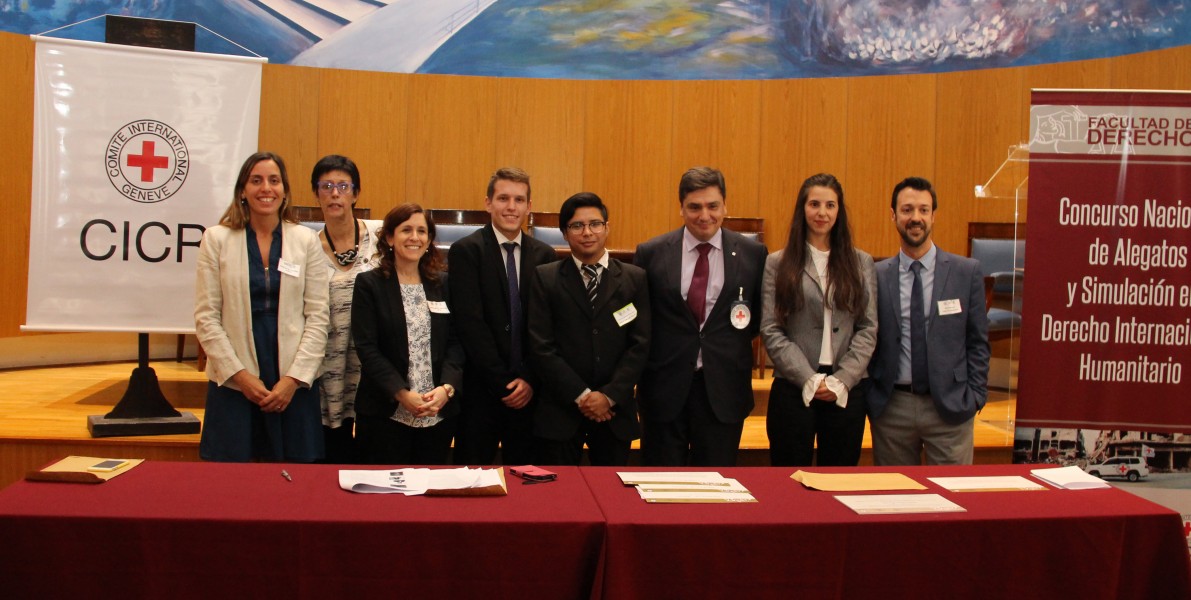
(643, 39)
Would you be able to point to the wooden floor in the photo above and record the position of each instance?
(43, 417)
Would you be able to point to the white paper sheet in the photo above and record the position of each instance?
(878, 504)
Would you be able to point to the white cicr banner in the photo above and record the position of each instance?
(135, 153)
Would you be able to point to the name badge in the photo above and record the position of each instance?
(949, 307)
(289, 268)
(626, 315)
(438, 307)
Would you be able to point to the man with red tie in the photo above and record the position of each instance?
(705, 290)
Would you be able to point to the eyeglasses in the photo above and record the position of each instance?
(325, 187)
(594, 226)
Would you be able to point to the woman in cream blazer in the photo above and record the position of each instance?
(819, 325)
(261, 316)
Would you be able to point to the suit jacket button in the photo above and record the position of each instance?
(508, 327)
(595, 331)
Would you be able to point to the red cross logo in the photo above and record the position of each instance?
(146, 161)
(739, 314)
(1124, 468)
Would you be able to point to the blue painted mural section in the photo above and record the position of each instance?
(648, 39)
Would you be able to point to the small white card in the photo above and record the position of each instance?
(626, 315)
(438, 307)
(950, 307)
(289, 268)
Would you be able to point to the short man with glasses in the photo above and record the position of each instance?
(490, 271)
(930, 367)
(589, 332)
(705, 291)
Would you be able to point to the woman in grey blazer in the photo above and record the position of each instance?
(819, 324)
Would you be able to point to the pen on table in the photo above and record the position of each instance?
(285, 474)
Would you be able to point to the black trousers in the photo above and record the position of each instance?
(487, 424)
(696, 437)
(793, 427)
(383, 441)
(603, 448)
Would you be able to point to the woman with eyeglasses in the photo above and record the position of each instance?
(410, 356)
(819, 325)
(261, 316)
(348, 245)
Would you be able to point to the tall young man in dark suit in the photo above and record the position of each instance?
(930, 368)
(697, 387)
(589, 332)
(490, 271)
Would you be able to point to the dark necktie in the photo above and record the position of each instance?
(593, 280)
(919, 376)
(514, 306)
(696, 295)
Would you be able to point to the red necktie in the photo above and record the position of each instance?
(696, 296)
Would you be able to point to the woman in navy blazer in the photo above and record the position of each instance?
(261, 316)
(819, 324)
(411, 359)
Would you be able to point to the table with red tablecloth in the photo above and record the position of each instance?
(208, 530)
(204, 530)
(796, 542)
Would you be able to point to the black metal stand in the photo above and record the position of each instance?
(143, 410)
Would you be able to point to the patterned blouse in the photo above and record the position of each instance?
(421, 370)
(340, 373)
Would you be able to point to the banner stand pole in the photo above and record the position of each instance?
(143, 410)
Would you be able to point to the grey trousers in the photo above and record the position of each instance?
(909, 425)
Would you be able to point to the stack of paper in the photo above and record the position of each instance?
(435, 482)
(1070, 478)
(692, 487)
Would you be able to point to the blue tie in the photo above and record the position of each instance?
(514, 306)
(919, 374)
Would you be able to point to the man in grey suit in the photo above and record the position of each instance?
(930, 368)
(697, 387)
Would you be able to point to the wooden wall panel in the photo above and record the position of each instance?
(802, 133)
(289, 123)
(451, 139)
(16, 171)
(626, 157)
(1158, 70)
(716, 124)
(890, 133)
(540, 127)
(362, 115)
(979, 116)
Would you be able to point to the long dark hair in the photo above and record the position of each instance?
(430, 266)
(845, 290)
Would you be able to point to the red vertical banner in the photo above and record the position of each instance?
(1106, 312)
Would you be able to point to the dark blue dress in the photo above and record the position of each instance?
(234, 428)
